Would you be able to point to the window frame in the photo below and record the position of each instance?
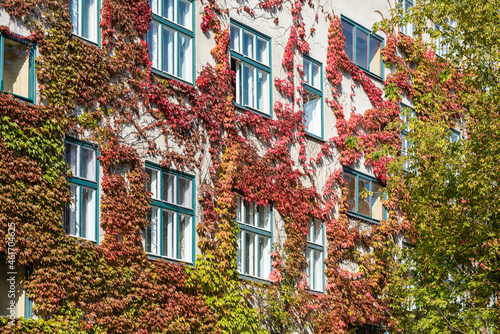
(357, 26)
(311, 245)
(258, 231)
(81, 182)
(82, 18)
(163, 21)
(161, 204)
(256, 64)
(356, 214)
(32, 71)
(309, 88)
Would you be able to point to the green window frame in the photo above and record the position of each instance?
(171, 234)
(315, 255)
(85, 16)
(313, 97)
(250, 60)
(17, 67)
(254, 239)
(363, 48)
(364, 196)
(81, 216)
(171, 39)
(404, 7)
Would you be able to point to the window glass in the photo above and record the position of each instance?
(376, 202)
(249, 60)
(152, 184)
(364, 196)
(80, 216)
(85, 18)
(171, 38)
(254, 239)
(348, 30)
(16, 64)
(362, 48)
(312, 113)
(173, 225)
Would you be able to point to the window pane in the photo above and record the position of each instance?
(312, 113)
(168, 188)
(16, 68)
(152, 184)
(168, 234)
(361, 48)
(307, 71)
(316, 76)
(318, 271)
(151, 233)
(235, 38)
(348, 31)
(375, 56)
(309, 271)
(264, 253)
(168, 9)
(248, 44)
(71, 219)
(184, 242)
(154, 45)
(249, 254)
(168, 60)
(239, 209)
(185, 194)
(248, 85)
(363, 197)
(317, 237)
(73, 13)
(89, 20)
(155, 6)
(185, 58)
(185, 14)
(88, 164)
(263, 89)
(351, 195)
(376, 203)
(250, 214)
(88, 214)
(262, 53)
(238, 255)
(264, 217)
(72, 158)
(236, 67)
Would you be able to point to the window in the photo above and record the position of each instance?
(81, 215)
(442, 47)
(85, 18)
(405, 8)
(315, 255)
(455, 135)
(406, 114)
(362, 47)
(254, 244)
(171, 233)
(313, 99)
(14, 302)
(171, 38)
(364, 195)
(17, 68)
(250, 57)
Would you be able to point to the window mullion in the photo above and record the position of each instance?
(175, 235)
(357, 192)
(78, 207)
(1, 61)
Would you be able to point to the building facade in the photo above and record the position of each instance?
(196, 166)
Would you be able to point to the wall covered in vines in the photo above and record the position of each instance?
(108, 95)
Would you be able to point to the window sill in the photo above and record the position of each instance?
(363, 217)
(88, 41)
(371, 74)
(315, 137)
(255, 111)
(159, 258)
(84, 240)
(22, 98)
(254, 279)
(165, 75)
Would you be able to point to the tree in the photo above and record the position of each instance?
(449, 196)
